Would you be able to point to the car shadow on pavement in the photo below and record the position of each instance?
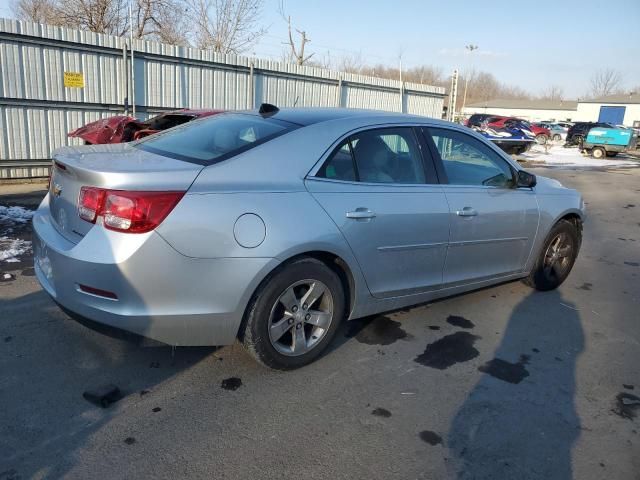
(47, 362)
(520, 419)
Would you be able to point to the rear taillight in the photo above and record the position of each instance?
(90, 202)
(126, 211)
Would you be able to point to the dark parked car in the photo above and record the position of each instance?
(477, 119)
(578, 132)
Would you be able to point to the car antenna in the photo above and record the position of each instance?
(266, 110)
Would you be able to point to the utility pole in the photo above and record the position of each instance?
(133, 74)
(470, 48)
(401, 84)
(453, 97)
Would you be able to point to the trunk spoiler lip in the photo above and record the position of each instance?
(118, 159)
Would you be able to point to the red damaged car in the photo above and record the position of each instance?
(122, 128)
(542, 134)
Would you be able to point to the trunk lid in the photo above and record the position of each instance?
(114, 166)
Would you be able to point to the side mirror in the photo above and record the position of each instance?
(526, 179)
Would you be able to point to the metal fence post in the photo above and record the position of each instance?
(125, 77)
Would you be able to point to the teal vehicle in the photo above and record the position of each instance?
(601, 142)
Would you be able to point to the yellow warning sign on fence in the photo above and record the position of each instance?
(74, 79)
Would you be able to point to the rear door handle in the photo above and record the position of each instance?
(467, 212)
(361, 213)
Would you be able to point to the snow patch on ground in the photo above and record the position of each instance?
(11, 248)
(559, 155)
(15, 214)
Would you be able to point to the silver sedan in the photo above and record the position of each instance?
(274, 226)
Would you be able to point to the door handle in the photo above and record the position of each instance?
(361, 213)
(467, 212)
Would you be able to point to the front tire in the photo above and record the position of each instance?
(557, 257)
(294, 315)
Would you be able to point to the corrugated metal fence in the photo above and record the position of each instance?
(37, 110)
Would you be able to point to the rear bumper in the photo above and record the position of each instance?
(161, 294)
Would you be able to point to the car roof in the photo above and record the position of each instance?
(309, 116)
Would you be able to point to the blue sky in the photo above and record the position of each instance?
(532, 44)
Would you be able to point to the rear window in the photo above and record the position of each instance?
(162, 122)
(213, 139)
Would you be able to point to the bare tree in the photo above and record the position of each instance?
(296, 50)
(324, 61)
(226, 26)
(39, 11)
(100, 16)
(161, 20)
(427, 75)
(605, 81)
(352, 63)
(553, 92)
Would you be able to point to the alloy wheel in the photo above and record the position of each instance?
(301, 317)
(557, 258)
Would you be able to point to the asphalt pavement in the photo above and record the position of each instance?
(502, 383)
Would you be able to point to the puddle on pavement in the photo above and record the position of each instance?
(461, 322)
(376, 331)
(103, 395)
(632, 264)
(432, 438)
(434, 327)
(28, 272)
(506, 371)
(627, 405)
(449, 350)
(231, 383)
(381, 412)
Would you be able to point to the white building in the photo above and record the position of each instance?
(532, 110)
(616, 109)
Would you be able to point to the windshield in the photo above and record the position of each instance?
(213, 139)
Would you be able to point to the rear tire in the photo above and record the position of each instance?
(557, 137)
(294, 315)
(556, 258)
(598, 152)
(542, 139)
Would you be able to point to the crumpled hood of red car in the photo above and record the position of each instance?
(106, 130)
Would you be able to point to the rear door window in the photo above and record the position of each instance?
(389, 155)
(213, 139)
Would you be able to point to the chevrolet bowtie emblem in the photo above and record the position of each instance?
(56, 190)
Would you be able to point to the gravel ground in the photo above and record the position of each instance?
(500, 383)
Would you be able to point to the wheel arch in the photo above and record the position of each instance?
(331, 259)
(576, 219)
(573, 215)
